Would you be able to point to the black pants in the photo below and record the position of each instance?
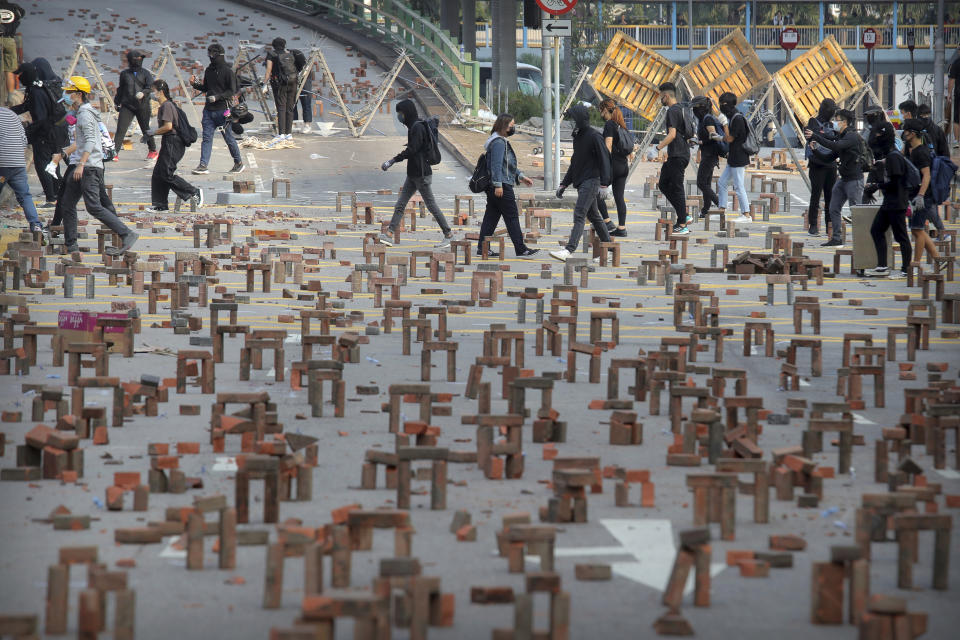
(617, 186)
(164, 173)
(503, 207)
(708, 163)
(305, 106)
(671, 186)
(58, 210)
(42, 154)
(885, 219)
(98, 204)
(285, 96)
(822, 180)
(126, 116)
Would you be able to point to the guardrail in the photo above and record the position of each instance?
(393, 21)
(760, 36)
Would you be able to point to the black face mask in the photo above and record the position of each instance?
(136, 63)
(400, 118)
(512, 130)
(213, 58)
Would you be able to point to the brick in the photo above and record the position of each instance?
(593, 571)
(734, 556)
(158, 448)
(787, 542)
(101, 436)
(952, 500)
(647, 495)
(754, 568)
(165, 462)
(127, 480)
(467, 533)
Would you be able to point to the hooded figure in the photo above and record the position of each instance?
(133, 101)
(821, 165)
(220, 86)
(43, 133)
(881, 138)
(419, 174)
(415, 153)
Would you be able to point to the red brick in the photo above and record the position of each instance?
(734, 556)
(127, 480)
(158, 448)
(787, 542)
(101, 436)
(638, 475)
(339, 515)
(447, 607)
(187, 448)
(754, 568)
(165, 462)
(952, 500)
(647, 495)
(496, 468)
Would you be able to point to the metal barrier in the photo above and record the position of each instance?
(394, 21)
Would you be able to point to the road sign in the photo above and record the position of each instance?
(556, 7)
(870, 38)
(789, 38)
(558, 28)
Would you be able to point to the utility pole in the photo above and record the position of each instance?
(938, 63)
(547, 94)
(690, 30)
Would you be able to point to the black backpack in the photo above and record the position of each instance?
(186, 131)
(432, 153)
(57, 110)
(286, 67)
(864, 155)
(689, 121)
(623, 143)
(480, 179)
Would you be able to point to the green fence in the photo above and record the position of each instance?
(437, 54)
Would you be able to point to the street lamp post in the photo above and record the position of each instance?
(911, 44)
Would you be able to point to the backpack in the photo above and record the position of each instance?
(286, 67)
(751, 145)
(864, 155)
(911, 179)
(432, 154)
(186, 131)
(623, 143)
(57, 111)
(480, 179)
(942, 171)
(689, 121)
(722, 145)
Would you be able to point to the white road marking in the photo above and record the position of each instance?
(859, 419)
(170, 552)
(225, 464)
(950, 474)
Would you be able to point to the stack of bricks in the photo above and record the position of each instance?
(47, 454)
(694, 553)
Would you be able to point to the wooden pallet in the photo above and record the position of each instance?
(631, 73)
(821, 72)
(731, 65)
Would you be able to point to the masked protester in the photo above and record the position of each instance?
(171, 151)
(501, 199)
(87, 177)
(678, 157)
(419, 174)
(882, 134)
(850, 149)
(590, 173)
(282, 75)
(220, 86)
(46, 132)
(888, 176)
(921, 204)
(710, 132)
(821, 166)
(737, 158)
(619, 165)
(133, 101)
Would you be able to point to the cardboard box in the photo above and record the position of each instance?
(78, 326)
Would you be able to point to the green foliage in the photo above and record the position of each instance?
(530, 58)
(524, 107)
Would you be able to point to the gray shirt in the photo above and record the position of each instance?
(88, 135)
(14, 140)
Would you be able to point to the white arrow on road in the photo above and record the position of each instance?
(650, 542)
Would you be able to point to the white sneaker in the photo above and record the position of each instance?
(743, 218)
(897, 275)
(443, 244)
(383, 239)
(877, 272)
(560, 254)
(596, 260)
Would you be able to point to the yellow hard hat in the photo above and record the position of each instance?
(78, 83)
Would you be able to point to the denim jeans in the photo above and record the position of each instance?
(586, 207)
(211, 120)
(736, 174)
(410, 186)
(16, 177)
(844, 190)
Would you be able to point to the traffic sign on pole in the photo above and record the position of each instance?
(556, 7)
(870, 38)
(789, 38)
(558, 28)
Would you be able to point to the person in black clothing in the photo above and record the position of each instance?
(133, 101)
(882, 134)
(821, 167)
(501, 200)
(737, 158)
(953, 93)
(10, 16)
(922, 203)
(589, 172)
(282, 75)
(419, 174)
(306, 95)
(171, 151)
(935, 135)
(220, 85)
(887, 176)
(710, 133)
(678, 157)
(45, 136)
(849, 148)
(619, 167)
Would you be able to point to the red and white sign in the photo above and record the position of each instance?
(870, 38)
(789, 38)
(556, 7)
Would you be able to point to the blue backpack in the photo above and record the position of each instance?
(942, 171)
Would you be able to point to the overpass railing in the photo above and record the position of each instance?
(762, 36)
(393, 22)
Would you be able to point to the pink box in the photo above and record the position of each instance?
(86, 320)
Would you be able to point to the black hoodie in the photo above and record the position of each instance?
(220, 81)
(820, 124)
(37, 102)
(847, 148)
(590, 156)
(415, 153)
(133, 80)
